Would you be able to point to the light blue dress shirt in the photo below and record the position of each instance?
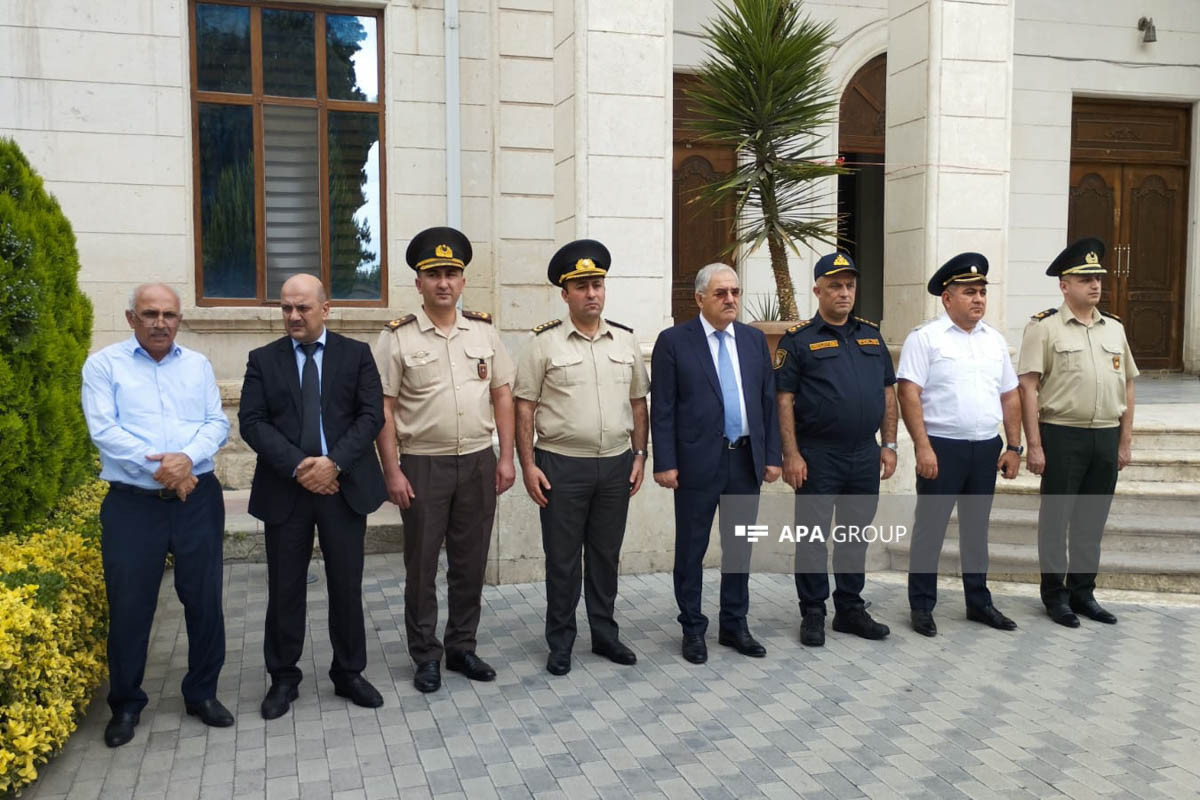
(319, 355)
(136, 407)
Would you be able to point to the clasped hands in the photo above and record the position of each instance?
(174, 472)
(318, 474)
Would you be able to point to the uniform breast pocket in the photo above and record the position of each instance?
(826, 352)
(1115, 355)
(621, 366)
(1067, 356)
(422, 369)
(565, 370)
(480, 357)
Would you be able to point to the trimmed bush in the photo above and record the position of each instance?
(53, 624)
(45, 333)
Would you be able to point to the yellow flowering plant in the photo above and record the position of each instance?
(53, 620)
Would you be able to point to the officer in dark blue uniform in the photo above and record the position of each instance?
(834, 381)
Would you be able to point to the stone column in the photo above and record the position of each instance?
(949, 117)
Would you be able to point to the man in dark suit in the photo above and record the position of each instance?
(715, 431)
(311, 408)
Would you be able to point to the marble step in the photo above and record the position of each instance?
(1128, 533)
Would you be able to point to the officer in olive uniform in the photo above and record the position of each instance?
(582, 384)
(834, 379)
(446, 385)
(1076, 377)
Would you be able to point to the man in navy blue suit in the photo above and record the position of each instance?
(715, 430)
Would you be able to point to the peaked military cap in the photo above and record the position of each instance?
(582, 258)
(438, 247)
(963, 268)
(1081, 257)
(833, 264)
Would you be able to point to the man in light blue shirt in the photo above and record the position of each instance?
(154, 412)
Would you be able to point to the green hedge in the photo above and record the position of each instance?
(45, 333)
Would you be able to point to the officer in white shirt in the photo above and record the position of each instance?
(957, 384)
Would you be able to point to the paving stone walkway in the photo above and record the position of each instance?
(1040, 713)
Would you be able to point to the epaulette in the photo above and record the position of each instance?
(798, 325)
(396, 323)
(1043, 314)
(1111, 316)
(619, 325)
(482, 316)
(868, 322)
(545, 326)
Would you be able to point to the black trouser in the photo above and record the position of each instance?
(694, 510)
(138, 531)
(1077, 491)
(289, 550)
(845, 478)
(967, 474)
(584, 516)
(455, 503)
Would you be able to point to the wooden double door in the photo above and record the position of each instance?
(1129, 182)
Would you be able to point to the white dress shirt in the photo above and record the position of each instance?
(961, 374)
(710, 336)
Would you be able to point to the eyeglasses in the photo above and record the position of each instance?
(723, 293)
(149, 318)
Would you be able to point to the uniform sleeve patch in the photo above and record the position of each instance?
(823, 345)
(396, 323)
(780, 357)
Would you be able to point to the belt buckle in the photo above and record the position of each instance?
(166, 494)
(732, 444)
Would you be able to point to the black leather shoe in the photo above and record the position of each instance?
(470, 665)
(743, 642)
(278, 700)
(211, 713)
(812, 628)
(615, 652)
(694, 649)
(358, 690)
(119, 729)
(922, 622)
(1093, 610)
(988, 615)
(1063, 616)
(558, 662)
(859, 622)
(428, 677)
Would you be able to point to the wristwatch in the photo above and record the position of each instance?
(1015, 448)
(891, 446)
(640, 453)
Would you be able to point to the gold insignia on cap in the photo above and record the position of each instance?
(444, 251)
(974, 268)
(1091, 258)
(841, 261)
(585, 263)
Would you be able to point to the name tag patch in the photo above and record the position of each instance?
(865, 342)
(823, 345)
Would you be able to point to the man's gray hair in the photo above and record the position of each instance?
(137, 290)
(705, 275)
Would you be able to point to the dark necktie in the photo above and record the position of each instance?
(310, 394)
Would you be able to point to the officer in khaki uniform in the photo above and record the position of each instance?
(446, 379)
(1076, 379)
(582, 384)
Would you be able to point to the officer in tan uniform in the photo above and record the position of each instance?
(446, 385)
(1076, 379)
(582, 384)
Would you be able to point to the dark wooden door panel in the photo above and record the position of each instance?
(1094, 210)
(1154, 211)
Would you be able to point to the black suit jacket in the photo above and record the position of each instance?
(687, 411)
(351, 413)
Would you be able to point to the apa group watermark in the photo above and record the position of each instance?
(837, 534)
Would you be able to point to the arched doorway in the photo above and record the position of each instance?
(861, 128)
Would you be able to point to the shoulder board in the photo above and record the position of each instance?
(482, 316)
(1049, 312)
(867, 322)
(1111, 316)
(545, 326)
(798, 325)
(396, 323)
(619, 325)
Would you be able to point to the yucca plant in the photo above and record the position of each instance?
(763, 89)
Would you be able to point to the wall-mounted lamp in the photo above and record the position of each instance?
(1147, 24)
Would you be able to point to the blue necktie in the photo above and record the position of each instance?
(729, 389)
